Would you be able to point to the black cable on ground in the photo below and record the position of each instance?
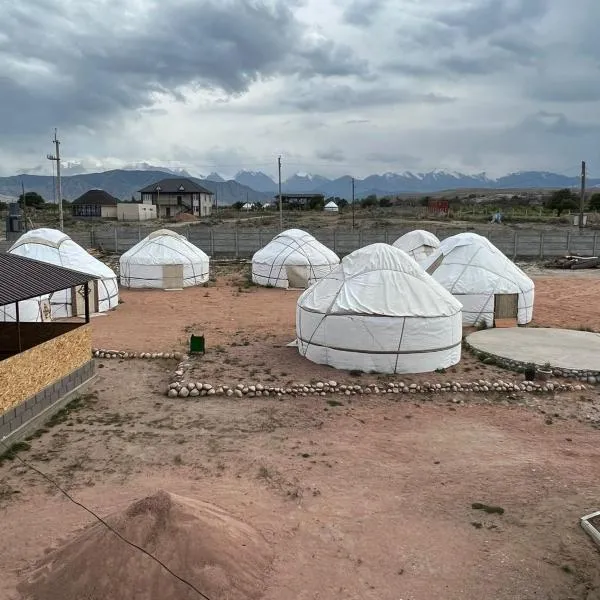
(109, 527)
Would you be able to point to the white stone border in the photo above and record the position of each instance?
(104, 353)
(182, 389)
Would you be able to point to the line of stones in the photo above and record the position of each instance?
(591, 377)
(104, 353)
(183, 389)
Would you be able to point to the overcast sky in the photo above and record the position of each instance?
(334, 86)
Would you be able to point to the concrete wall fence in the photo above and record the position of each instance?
(220, 242)
(23, 418)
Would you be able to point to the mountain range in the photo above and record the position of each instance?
(254, 186)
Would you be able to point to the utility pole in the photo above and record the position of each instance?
(582, 198)
(56, 158)
(280, 200)
(353, 203)
(24, 204)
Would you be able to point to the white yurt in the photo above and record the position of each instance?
(331, 207)
(418, 244)
(488, 284)
(57, 248)
(379, 311)
(164, 260)
(294, 258)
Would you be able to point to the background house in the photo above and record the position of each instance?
(173, 196)
(302, 201)
(95, 203)
(135, 211)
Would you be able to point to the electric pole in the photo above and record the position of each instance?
(56, 158)
(353, 203)
(582, 198)
(280, 199)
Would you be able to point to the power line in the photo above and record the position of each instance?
(107, 525)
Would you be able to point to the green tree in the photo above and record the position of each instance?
(370, 200)
(385, 202)
(32, 199)
(341, 202)
(316, 204)
(237, 205)
(562, 200)
(595, 201)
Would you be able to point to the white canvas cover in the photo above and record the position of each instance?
(57, 248)
(143, 265)
(473, 270)
(294, 258)
(331, 207)
(418, 244)
(379, 311)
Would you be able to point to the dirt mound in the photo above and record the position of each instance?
(222, 557)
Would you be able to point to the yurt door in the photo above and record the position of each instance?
(172, 277)
(78, 299)
(506, 308)
(297, 276)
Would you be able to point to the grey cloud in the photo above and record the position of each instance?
(89, 62)
(332, 155)
(405, 160)
(334, 98)
(486, 17)
(362, 12)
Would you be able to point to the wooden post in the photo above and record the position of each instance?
(212, 242)
(541, 244)
(237, 248)
(86, 292)
(568, 242)
(18, 317)
(515, 245)
(594, 250)
(116, 241)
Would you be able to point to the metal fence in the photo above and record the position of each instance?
(219, 242)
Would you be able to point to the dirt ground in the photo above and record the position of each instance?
(368, 498)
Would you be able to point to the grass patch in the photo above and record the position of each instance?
(11, 452)
(490, 510)
(335, 403)
(63, 414)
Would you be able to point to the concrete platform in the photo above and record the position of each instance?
(562, 348)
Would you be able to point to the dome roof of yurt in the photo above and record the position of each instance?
(378, 310)
(57, 248)
(418, 243)
(164, 247)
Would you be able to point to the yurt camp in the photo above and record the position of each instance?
(331, 207)
(164, 260)
(379, 311)
(292, 259)
(56, 248)
(418, 244)
(490, 286)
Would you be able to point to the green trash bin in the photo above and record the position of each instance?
(196, 344)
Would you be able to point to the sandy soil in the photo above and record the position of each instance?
(367, 498)
(364, 500)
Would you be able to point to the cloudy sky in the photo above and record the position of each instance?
(334, 86)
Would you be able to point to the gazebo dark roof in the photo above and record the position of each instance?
(174, 185)
(96, 198)
(24, 278)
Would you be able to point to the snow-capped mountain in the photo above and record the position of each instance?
(257, 180)
(304, 183)
(144, 166)
(213, 177)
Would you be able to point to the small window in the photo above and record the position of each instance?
(179, 200)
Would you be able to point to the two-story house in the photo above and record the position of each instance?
(176, 195)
